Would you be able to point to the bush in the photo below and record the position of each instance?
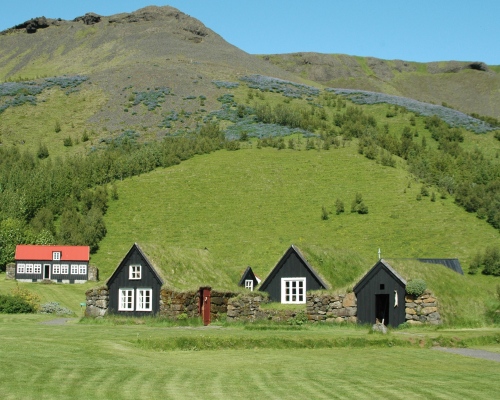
(324, 213)
(42, 152)
(68, 142)
(15, 305)
(54, 307)
(416, 287)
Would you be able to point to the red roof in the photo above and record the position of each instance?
(32, 252)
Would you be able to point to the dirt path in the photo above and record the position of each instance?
(57, 321)
(487, 355)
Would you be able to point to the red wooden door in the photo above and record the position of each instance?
(205, 304)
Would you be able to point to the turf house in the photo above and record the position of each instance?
(291, 278)
(64, 264)
(248, 279)
(134, 287)
(381, 296)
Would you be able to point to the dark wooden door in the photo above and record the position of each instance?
(382, 308)
(46, 271)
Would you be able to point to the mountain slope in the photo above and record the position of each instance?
(154, 47)
(471, 87)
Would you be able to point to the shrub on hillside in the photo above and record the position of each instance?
(31, 298)
(14, 305)
(488, 262)
(416, 287)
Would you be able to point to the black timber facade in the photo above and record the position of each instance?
(56, 271)
(291, 265)
(121, 281)
(248, 275)
(380, 296)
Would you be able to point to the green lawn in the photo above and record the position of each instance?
(101, 360)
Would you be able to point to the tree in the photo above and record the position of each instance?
(358, 206)
(12, 233)
(339, 206)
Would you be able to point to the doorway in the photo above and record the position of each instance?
(46, 271)
(382, 308)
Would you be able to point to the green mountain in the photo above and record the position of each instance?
(148, 127)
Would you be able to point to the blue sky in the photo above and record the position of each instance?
(419, 30)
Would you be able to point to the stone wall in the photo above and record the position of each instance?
(422, 309)
(172, 303)
(97, 302)
(332, 308)
(10, 271)
(246, 307)
(93, 273)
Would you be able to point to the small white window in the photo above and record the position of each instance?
(82, 269)
(134, 272)
(144, 299)
(20, 268)
(37, 268)
(64, 269)
(249, 284)
(29, 268)
(56, 269)
(126, 300)
(74, 269)
(56, 255)
(293, 290)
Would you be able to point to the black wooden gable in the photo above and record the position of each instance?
(381, 264)
(135, 285)
(248, 275)
(291, 265)
(380, 296)
(135, 256)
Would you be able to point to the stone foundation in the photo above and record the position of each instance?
(422, 309)
(97, 302)
(332, 308)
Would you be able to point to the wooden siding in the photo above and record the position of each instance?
(291, 266)
(54, 277)
(380, 281)
(120, 280)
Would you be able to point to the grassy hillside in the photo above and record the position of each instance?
(246, 207)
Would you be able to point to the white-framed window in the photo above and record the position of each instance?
(20, 268)
(56, 269)
(37, 268)
(249, 284)
(29, 268)
(64, 269)
(56, 255)
(82, 269)
(74, 269)
(293, 290)
(126, 300)
(144, 299)
(134, 272)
